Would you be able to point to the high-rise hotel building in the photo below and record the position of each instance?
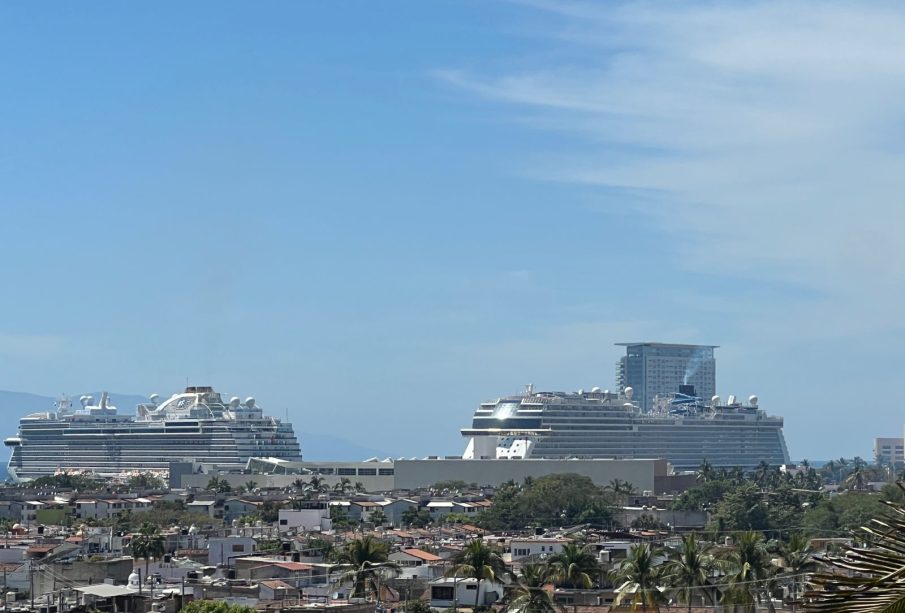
(652, 369)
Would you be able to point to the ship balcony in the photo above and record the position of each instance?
(12, 441)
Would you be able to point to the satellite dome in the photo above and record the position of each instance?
(752, 400)
(715, 401)
(84, 400)
(629, 392)
(580, 392)
(88, 400)
(234, 402)
(595, 390)
(133, 579)
(154, 398)
(250, 402)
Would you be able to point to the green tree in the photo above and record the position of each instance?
(865, 580)
(147, 544)
(250, 486)
(344, 486)
(647, 522)
(689, 569)
(221, 486)
(378, 517)
(748, 568)
(416, 518)
(481, 562)
(637, 578)
(530, 594)
(338, 517)
(214, 606)
(574, 567)
(741, 508)
(797, 558)
(552, 500)
(146, 481)
(363, 563)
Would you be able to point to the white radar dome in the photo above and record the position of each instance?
(154, 398)
(84, 400)
(250, 402)
(234, 402)
(629, 392)
(715, 401)
(595, 390)
(752, 400)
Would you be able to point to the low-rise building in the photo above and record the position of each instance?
(889, 451)
(452, 592)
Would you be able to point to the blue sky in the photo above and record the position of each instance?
(376, 215)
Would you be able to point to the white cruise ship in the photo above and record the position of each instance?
(682, 429)
(195, 426)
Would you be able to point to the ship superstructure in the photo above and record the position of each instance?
(682, 428)
(195, 426)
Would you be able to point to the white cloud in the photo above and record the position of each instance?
(770, 132)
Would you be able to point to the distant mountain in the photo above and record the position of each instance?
(326, 447)
(315, 446)
(14, 405)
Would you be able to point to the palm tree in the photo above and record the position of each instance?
(797, 559)
(147, 544)
(706, 472)
(689, 569)
(748, 568)
(530, 594)
(865, 580)
(573, 567)
(857, 479)
(481, 562)
(250, 486)
(762, 473)
(637, 577)
(363, 562)
(344, 486)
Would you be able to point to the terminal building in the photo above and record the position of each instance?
(387, 475)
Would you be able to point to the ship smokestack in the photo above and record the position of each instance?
(687, 390)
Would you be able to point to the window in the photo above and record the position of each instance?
(238, 548)
(370, 472)
(441, 592)
(471, 587)
(386, 472)
(345, 471)
(284, 522)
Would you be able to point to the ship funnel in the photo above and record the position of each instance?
(103, 402)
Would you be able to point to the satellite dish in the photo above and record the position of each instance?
(250, 402)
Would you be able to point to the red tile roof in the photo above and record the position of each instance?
(422, 555)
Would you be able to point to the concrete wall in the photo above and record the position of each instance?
(411, 474)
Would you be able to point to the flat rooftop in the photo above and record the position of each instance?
(682, 345)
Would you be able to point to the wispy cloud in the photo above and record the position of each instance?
(771, 131)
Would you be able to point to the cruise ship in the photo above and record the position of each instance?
(681, 428)
(196, 426)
